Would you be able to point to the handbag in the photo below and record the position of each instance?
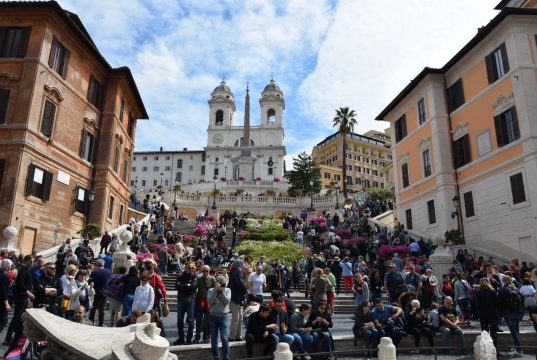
(165, 308)
(65, 303)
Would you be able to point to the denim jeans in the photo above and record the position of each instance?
(445, 331)
(371, 337)
(128, 299)
(303, 341)
(285, 338)
(185, 307)
(199, 314)
(219, 324)
(513, 322)
(163, 268)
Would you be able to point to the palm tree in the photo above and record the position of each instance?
(346, 120)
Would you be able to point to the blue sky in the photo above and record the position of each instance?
(324, 54)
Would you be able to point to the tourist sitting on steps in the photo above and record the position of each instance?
(261, 330)
(449, 323)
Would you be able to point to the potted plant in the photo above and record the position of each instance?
(222, 178)
(258, 178)
(241, 178)
(277, 179)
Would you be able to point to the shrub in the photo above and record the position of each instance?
(286, 251)
(91, 231)
(386, 251)
(200, 230)
(343, 234)
(277, 179)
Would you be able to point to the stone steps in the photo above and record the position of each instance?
(345, 343)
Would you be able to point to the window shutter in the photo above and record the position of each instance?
(4, 100)
(505, 60)
(499, 132)
(514, 118)
(490, 71)
(2, 39)
(65, 63)
(2, 170)
(23, 42)
(466, 149)
(53, 49)
(29, 180)
(48, 118)
(83, 144)
(403, 125)
(47, 185)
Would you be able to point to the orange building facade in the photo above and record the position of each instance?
(468, 131)
(67, 127)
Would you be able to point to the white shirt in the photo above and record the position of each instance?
(144, 297)
(256, 283)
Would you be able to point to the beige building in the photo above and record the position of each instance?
(366, 158)
(67, 127)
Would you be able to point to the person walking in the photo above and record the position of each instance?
(511, 308)
(219, 297)
(186, 285)
(346, 273)
(238, 291)
(486, 303)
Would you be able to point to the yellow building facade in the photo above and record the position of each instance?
(366, 158)
(464, 141)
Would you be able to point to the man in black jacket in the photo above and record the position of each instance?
(511, 308)
(22, 293)
(48, 288)
(261, 330)
(186, 285)
(280, 317)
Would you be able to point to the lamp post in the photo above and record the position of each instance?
(336, 185)
(311, 195)
(91, 197)
(214, 193)
(457, 213)
(161, 189)
(175, 193)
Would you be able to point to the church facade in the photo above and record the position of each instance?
(245, 152)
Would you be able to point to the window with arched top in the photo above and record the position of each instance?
(219, 118)
(239, 142)
(271, 115)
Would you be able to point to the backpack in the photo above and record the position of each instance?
(513, 301)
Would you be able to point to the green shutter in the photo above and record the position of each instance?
(490, 71)
(499, 131)
(53, 49)
(47, 185)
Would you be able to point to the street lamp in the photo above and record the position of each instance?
(214, 193)
(311, 195)
(91, 197)
(457, 213)
(336, 185)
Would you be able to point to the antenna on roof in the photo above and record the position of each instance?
(272, 76)
(247, 87)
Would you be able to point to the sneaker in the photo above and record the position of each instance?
(306, 357)
(518, 354)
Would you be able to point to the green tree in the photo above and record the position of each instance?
(304, 170)
(345, 120)
(91, 231)
(380, 194)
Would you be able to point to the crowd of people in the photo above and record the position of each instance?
(220, 294)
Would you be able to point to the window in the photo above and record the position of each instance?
(179, 163)
(166, 183)
(116, 159)
(349, 180)
(143, 182)
(506, 125)
(154, 182)
(366, 171)
(426, 155)
(13, 41)
(366, 160)
(455, 96)
(96, 93)
(167, 168)
(134, 158)
(86, 146)
(421, 111)
(203, 157)
(461, 151)
(366, 183)
(517, 188)
(190, 167)
(404, 174)
(270, 171)
(59, 57)
(125, 170)
(327, 175)
(132, 182)
(374, 162)
(271, 115)
(215, 173)
(374, 173)
(375, 184)
(134, 169)
(80, 200)
(168, 157)
(121, 210)
(357, 168)
(400, 129)
(111, 208)
(130, 126)
(431, 212)
(38, 183)
(408, 215)
(121, 109)
(2, 170)
(349, 167)
(155, 158)
(497, 64)
(156, 168)
(219, 120)
(47, 121)
(4, 101)
(144, 158)
(178, 176)
(358, 181)
(202, 169)
(469, 204)
(144, 168)
(337, 177)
